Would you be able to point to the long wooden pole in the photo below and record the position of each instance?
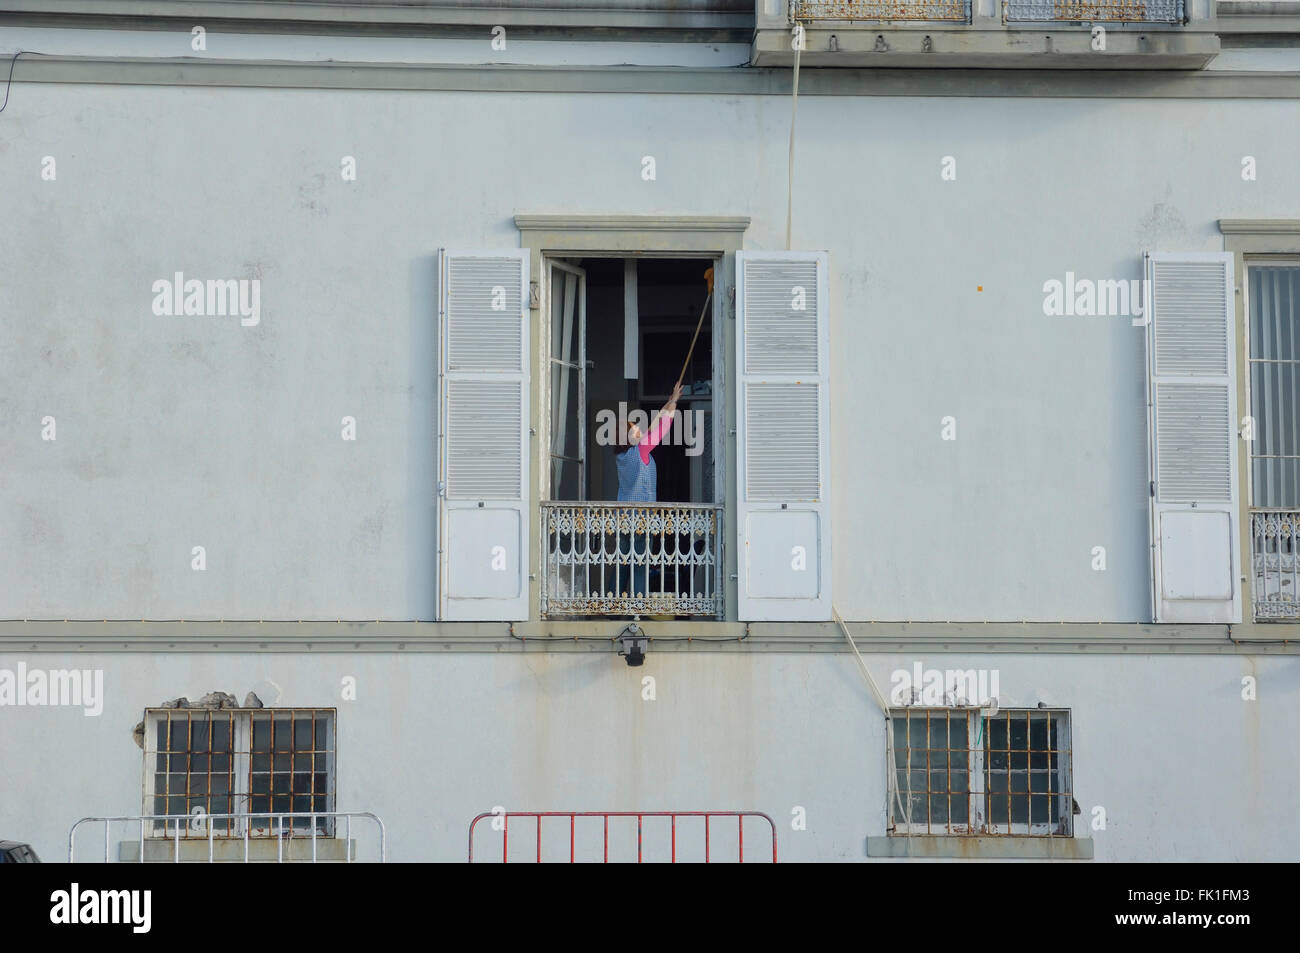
(708, 276)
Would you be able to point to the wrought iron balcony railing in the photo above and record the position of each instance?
(958, 10)
(1096, 11)
(1092, 11)
(632, 559)
(1275, 563)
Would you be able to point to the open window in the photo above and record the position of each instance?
(1273, 372)
(621, 330)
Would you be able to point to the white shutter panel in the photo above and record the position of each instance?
(483, 415)
(783, 436)
(1192, 400)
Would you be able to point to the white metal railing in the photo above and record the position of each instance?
(1274, 547)
(186, 821)
(628, 559)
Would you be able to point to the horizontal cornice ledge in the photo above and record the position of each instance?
(715, 81)
(1253, 226)
(161, 637)
(618, 223)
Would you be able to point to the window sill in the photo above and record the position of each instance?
(231, 850)
(980, 848)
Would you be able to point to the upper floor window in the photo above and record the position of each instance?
(1273, 297)
(632, 525)
(1273, 368)
(632, 514)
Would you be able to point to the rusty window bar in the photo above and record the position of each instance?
(1039, 753)
(930, 742)
(600, 559)
(606, 815)
(177, 821)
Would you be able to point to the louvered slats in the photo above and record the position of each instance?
(483, 310)
(782, 437)
(781, 318)
(1191, 336)
(1194, 450)
(483, 449)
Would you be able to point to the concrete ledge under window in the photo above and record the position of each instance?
(977, 848)
(1089, 84)
(1071, 638)
(228, 850)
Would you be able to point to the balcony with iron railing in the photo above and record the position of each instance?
(993, 34)
(1090, 11)
(631, 559)
(935, 10)
(1275, 564)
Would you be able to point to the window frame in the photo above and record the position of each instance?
(1249, 262)
(717, 398)
(241, 794)
(977, 823)
(1252, 241)
(717, 237)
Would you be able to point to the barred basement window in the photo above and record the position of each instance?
(957, 771)
(254, 763)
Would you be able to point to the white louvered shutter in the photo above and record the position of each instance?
(1192, 377)
(483, 416)
(783, 436)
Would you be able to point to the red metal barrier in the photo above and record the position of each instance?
(606, 815)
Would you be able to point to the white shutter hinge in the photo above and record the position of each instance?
(532, 431)
(534, 296)
(442, 488)
(731, 302)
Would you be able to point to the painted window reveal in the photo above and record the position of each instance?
(960, 771)
(631, 533)
(257, 764)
